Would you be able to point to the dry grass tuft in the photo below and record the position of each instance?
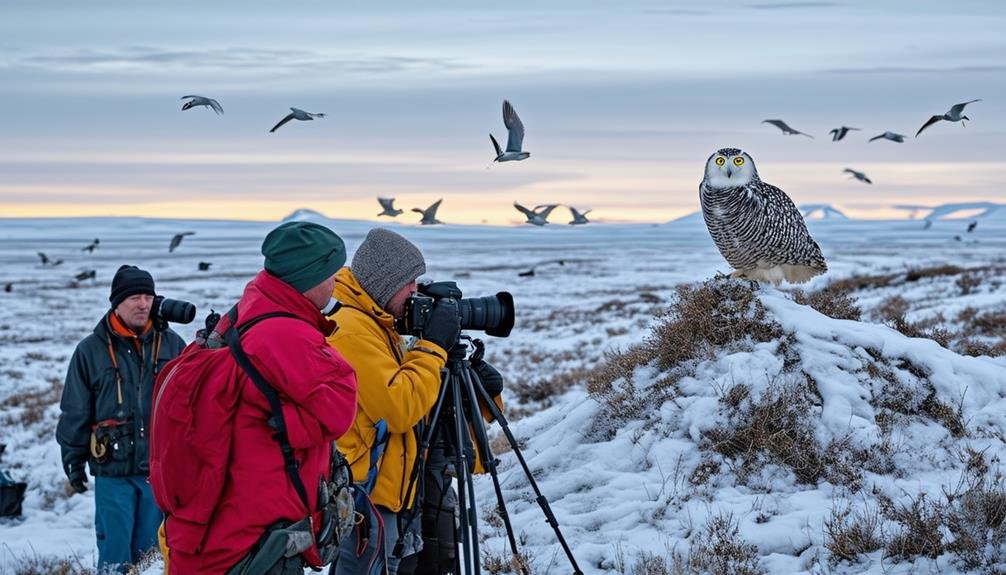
(849, 534)
(721, 550)
(775, 427)
(831, 301)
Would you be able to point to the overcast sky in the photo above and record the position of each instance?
(622, 104)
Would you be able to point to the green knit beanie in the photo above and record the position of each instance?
(303, 254)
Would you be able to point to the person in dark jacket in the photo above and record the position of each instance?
(105, 415)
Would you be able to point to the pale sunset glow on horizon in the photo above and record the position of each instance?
(622, 104)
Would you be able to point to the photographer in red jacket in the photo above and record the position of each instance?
(317, 393)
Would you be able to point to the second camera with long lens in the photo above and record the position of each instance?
(492, 314)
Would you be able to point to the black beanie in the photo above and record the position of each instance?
(130, 280)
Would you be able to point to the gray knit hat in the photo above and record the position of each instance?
(384, 263)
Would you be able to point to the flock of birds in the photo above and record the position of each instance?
(954, 114)
(91, 274)
(514, 152)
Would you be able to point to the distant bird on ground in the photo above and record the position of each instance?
(756, 226)
(957, 238)
(8, 287)
(177, 240)
(204, 266)
(889, 136)
(388, 207)
(578, 217)
(85, 275)
(202, 101)
(840, 132)
(955, 114)
(515, 137)
(927, 225)
(530, 272)
(297, 114)
(785, 128)
(972, 226)
(538, 216)
(858, 175)
(43, 257)
(430, 214)
(91, 246)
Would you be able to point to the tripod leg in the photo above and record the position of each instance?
(489, 462)
(466, 488)
(542, 501)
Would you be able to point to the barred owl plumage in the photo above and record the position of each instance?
(755, 225)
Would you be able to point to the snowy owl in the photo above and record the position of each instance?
(755, 225)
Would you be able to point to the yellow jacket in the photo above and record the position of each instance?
(395, 384)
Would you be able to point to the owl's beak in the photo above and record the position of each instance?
(730, 171)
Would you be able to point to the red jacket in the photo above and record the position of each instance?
(318, 390)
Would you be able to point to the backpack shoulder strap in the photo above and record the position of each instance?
(376, 451)
(277, 421)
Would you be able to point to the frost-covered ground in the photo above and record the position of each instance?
(618, 494)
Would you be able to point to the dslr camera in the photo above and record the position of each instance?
(492, 314)
(164, 310)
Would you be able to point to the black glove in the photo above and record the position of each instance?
(492, 379)
(444, 324)
(77, 476)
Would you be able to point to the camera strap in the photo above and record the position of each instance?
(276, 421)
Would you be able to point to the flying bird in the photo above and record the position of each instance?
(537, 216)
(43, 257)
(430, 214)
(297, 114)
(889, 136)
(91, 246)
(202, 101)
(840, 132)
(785, 128)
(515, 138)
(858, 175)
(972, 226)
(578, 217)
(89, 274)
(955, 114)
(756, 226)
(388, 207)
(177, 240)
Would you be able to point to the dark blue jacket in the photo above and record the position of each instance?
(112, 399)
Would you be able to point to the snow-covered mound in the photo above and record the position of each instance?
(305, 215)
(958, 210)
(821, 212)
(753, 434)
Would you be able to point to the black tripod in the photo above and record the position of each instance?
(461, 394)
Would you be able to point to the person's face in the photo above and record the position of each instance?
(396, 305)
(134, 311)
(321, 293)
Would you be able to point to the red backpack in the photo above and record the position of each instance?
(191, 431)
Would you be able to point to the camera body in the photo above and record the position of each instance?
(492, 314)
(165, 309)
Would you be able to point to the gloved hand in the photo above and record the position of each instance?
(492, 379)
(444, 324)
(77, 476)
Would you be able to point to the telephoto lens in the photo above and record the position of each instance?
(173, 310)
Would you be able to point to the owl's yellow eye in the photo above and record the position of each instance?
(720, 161)
(738, 161)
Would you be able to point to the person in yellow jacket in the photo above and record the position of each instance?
(396, 383)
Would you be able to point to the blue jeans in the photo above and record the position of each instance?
(125, 521)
